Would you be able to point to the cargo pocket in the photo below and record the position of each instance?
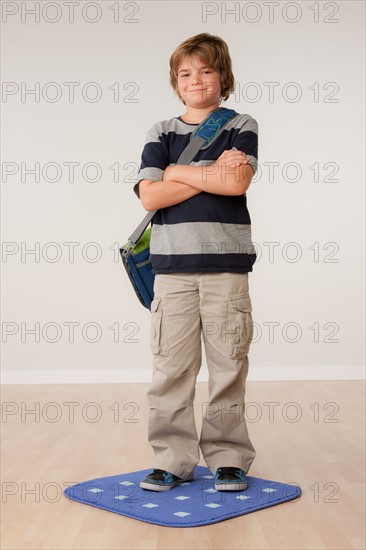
(158, 339)
(241, 323)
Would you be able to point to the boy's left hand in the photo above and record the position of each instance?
(167, 175)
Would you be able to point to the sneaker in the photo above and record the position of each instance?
(161, 480)
(230, 479)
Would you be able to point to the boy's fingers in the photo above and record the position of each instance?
(233, 157)
(237, 158)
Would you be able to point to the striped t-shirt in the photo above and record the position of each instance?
(208, 232)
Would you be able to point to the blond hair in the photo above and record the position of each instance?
(214, 51)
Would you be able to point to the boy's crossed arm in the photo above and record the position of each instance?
(160, 194)
(231, 174)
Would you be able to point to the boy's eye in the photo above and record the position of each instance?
(206, 71)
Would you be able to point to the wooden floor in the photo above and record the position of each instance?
(57, 435)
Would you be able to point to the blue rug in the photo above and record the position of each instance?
(189, 504)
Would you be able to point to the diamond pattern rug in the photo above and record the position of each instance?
(190, 504)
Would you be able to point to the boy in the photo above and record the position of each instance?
(201, 253)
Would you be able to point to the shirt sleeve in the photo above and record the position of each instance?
(246, 140)
(153, 159)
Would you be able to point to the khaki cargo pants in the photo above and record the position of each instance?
(186, 305)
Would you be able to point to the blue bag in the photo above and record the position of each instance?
(136, 252)
(137, 262)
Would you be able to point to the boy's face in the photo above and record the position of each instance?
(198, 85)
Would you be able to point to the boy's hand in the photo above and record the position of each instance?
(231, 158)
(168, 174)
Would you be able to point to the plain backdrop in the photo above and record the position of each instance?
(69, 313)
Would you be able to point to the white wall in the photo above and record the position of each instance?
(319, 137)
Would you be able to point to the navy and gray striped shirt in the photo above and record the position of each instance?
(208, 232)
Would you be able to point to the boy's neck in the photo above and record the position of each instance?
(196, 116)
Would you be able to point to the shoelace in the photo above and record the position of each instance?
(158, 474)
(161, 474)
(228, 471)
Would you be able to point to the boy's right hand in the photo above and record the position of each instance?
(231, 158)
